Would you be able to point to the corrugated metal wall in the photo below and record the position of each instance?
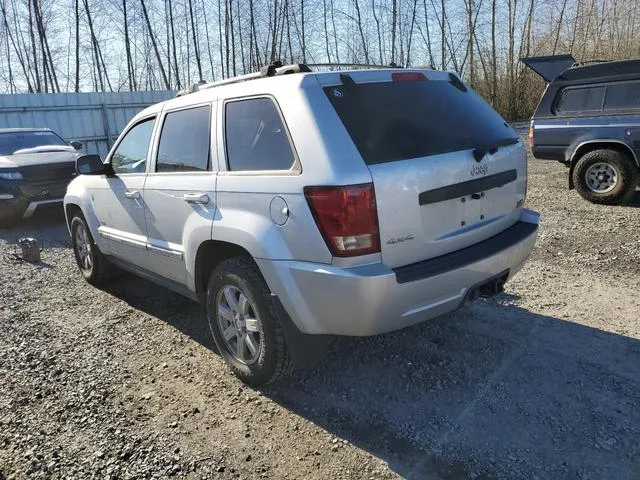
(95, 119)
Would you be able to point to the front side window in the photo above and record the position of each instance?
(184, 141)
(577, 100)
(623, 96)
(256, 138)
(131, 154)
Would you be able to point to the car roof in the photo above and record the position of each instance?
(21, 130)
(269, 85)
(596, 72)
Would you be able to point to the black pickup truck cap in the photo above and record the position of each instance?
(564, 67)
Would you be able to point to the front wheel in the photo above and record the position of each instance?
(90, 260)
(244, 322)
(607, 177)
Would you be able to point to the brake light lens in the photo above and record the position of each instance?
(407, 76)
(531, 135)
(347, 218)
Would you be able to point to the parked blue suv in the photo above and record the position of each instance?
(589, 119)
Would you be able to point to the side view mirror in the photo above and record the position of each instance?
(77, 145)
(92, 165)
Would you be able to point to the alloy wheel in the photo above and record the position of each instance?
(239, 324)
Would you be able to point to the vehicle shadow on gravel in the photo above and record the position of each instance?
(634, 201)
(40, 226)
(492, 390)
(181, 313)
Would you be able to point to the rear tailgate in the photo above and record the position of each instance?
(447, 170)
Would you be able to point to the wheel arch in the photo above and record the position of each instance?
(590, 145)
(209, 255)
(70, 211)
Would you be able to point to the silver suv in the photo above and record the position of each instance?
(309, 204)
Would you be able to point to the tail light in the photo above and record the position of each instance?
(531, 134)
(347, 218)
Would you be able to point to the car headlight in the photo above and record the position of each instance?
(10, 176)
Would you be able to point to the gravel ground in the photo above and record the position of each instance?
(540, 382)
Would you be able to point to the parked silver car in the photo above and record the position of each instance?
(310, 204)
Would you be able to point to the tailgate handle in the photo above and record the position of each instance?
(477, 196)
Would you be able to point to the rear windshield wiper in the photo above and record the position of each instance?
(481, 150)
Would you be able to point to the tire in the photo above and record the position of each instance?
(255, 349)
(92, 264)
(606, 177)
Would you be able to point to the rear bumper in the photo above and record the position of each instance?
(372, 299)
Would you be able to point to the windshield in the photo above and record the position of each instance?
(391, 121)
(12, 142)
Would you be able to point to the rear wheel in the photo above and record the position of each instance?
(607, 177)
(92, 264)
(244, 322)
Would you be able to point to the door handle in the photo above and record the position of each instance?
(135, 195)
(199, 198)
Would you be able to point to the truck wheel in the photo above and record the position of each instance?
(244, 322)
(607, 177)
(92, 264)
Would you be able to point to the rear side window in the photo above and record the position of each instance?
(256, 138)
(576, 100)
(391, 121)
(622, 96)
(184, 141)
(131, 153)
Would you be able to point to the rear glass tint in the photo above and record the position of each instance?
(575, 100)
(391, 121)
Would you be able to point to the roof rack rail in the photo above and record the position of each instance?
(354, 66)
(277, 68)
(271, 70)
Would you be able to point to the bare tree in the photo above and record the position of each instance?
(77, 45)
(394, 22)
(155, 45)
(195, 40)
(127, 46)
(362, 37)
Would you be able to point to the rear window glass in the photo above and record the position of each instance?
(390, 121)
(12, 142)
(622, 96)
(581, 100)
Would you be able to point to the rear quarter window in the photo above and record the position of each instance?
(255, 136)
